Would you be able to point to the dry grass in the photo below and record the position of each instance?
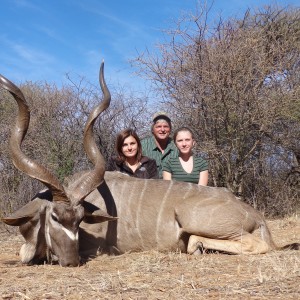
(153, 275)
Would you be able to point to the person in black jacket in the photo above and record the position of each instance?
(130, 159)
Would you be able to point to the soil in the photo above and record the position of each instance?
(154, 275)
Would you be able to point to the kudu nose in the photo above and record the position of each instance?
(70, 263)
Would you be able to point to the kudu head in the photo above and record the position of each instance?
(50, 222)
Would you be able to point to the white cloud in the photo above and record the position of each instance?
(32, 56)
(25, 4)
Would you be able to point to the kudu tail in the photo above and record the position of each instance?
(267, 237)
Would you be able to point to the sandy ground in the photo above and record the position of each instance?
(154, 275)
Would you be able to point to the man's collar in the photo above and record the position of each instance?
(168, 147)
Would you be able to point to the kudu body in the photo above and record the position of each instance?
(64, 220)
(171, 216)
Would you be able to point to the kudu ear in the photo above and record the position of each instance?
(24, 214)
(13, 221)
(98, 216)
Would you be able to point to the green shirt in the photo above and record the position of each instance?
(174, 167)
(151, 150)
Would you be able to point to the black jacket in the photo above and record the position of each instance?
(146, 170)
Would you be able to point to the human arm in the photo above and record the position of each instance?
(166, 171)
(203, 178)
(166, 175)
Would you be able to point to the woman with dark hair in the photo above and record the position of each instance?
(130, 159)
(186, 167)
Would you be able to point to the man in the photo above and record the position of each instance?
(160, 146)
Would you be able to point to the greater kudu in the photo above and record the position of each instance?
(152, 214)
(50, 228)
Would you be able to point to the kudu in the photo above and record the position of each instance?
(50, 228)
(64, 220)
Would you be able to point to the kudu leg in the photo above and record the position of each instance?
(246, 244)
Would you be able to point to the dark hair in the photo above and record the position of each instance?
(124, 134)
(162, 116)
(183, 129)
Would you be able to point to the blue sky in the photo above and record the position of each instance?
(42, 40)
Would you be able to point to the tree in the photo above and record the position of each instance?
(54, 138)
(233, 82)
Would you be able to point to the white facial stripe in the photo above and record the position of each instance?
(54, 214)
(48, 239)
(70, 234)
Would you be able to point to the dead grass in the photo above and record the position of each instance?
(153, 275)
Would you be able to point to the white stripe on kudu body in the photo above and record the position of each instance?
(139, 211)
(160, 218)
(186, 195)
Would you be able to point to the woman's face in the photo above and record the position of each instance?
(184, 142)
(130, 147)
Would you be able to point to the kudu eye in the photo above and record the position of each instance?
(54, 218)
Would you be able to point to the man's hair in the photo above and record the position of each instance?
(161, 116)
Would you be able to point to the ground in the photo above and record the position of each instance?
(154, 275)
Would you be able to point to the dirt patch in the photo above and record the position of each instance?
(154, 275)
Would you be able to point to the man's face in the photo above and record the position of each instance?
(161, 130)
